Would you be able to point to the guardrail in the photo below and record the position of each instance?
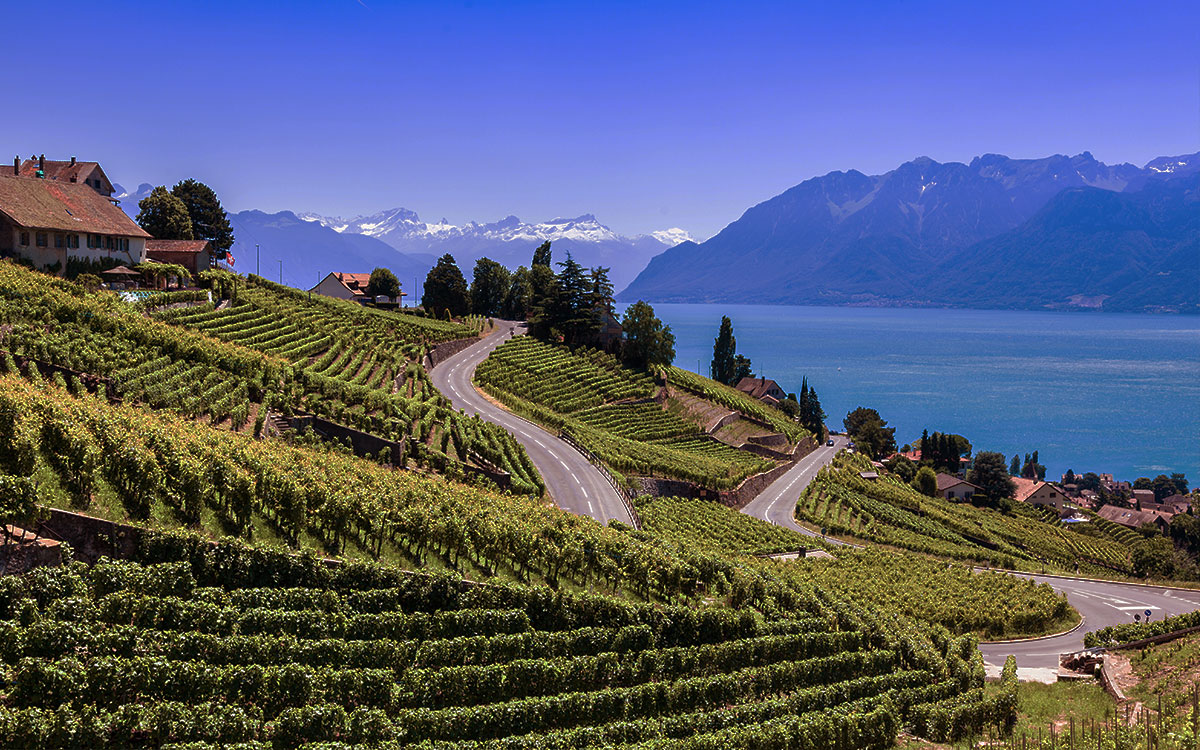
(622, 492)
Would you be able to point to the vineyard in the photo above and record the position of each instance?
(735, 400)
(892, 513)
(608, 409)
(229, 646)
(988, 604)
(276, 347)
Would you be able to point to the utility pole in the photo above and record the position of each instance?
(256, 271)
(281, 272)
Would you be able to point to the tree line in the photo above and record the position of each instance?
(188, 211)
(572, 306)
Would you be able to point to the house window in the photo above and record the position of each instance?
(59, 241)
(108, 243)
(40, 239)
(25, 239)
(125, 245)
(73, 241)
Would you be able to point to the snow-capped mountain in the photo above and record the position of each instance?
(510, 241)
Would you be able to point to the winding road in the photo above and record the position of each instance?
(572, 481)
(579, 487)
(777, 503)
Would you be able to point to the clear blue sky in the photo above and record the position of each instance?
(649, 115)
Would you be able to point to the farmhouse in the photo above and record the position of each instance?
(767, 391)
(46, 221)
(951, 487)
(194, 255)
(1133, 518)
(1040, 493)
(351, 286)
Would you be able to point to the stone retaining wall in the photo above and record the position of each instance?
(91, 538)
(93, 383)
(448, 349)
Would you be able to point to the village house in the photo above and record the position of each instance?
(46, 220)
(85, 172)
(194, 255)
(1134, 518)
(349, 286)
(952, 488)
(1169, 506)
(1040, 493)
(1141, 497)
(767, 391)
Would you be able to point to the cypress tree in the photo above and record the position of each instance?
(926, 450)
(724, 348)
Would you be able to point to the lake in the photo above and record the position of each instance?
(1107, 393)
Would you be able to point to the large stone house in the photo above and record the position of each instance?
(46, 220)
(1040, 493)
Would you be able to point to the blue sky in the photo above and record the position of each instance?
(649, 115)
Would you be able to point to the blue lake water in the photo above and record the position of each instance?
(1105, 393)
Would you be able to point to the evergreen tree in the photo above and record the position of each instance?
(545, 303)
(541, 256)
(988, 472)
(741, 368)
(446, 289)
(724, 348)
(209, 220)
(816, 415)
(648, 342)
(926, 481)
(1014, 468)
(489, 287)
(164, 216)
(602, 289)
(925, 452)
(579, 319)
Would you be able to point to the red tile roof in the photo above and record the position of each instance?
(63, 206)
(756, 387)
(176, 246)
(59, 170)
(946, 481)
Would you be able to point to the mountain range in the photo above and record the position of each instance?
(312, 245)
(1053, 233)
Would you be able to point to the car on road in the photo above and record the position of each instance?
(829, 442)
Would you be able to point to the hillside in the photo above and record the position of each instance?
(617, 414)
(916, 235)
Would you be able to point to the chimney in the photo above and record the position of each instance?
(42, 163)
(72, 161)
(16, 166)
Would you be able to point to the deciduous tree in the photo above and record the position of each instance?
(383, 283)
(209, 220)
(164, 216)
(490, 284)
(648, 342)
(446, 289)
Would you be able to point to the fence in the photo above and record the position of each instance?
(622, 492)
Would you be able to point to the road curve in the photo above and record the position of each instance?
(572, 481)
(777, 503)
(1101, 603)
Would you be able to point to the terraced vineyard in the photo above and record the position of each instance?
(608, 409)
(889, 512)
(56, 322)
(221, 645)
(953, 596)
(276, 347)
(735, 400)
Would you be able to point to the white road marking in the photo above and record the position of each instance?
(591, 508)
(585, 492)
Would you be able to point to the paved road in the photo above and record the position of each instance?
(575, 484)
(1101, 603)
(777, 503)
